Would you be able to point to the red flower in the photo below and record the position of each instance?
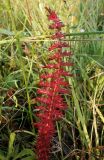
(66, 53)
(46, 131)
(55, 66)
(57, 35)
(57, 25)
(51, 87)
(66, 64)
(52, 15)
(58, 45)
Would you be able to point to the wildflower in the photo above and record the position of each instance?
(52, 15)
(57, 35)
(51, 87)
(58, 45)
(57, 25)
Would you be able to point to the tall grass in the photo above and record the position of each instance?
(23, 49)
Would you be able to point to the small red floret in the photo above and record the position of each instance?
(57, 25)
(58, 45)
(57, 35)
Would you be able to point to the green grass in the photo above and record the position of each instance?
(23, 50)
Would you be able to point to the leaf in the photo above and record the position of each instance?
(24, 152)
(11, 142)
(99, 113)
(29, 158)
(16, 101)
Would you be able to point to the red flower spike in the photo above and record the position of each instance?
(52, 84)
(55, 56)
(52, 15)
(44, 100)
(58, 45)
(46, 131)
(64, 73)
(51, 87)
(59, 55)
(51, 75)
(66, 53)
(44, 91)
(58, 35)
(41, 108)
(55, 66)
(66, 64)
(57, 25)
(64, 91)
(46, 76)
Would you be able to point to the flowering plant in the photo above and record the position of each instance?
(52, 86)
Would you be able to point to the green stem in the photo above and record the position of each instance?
(11, 15)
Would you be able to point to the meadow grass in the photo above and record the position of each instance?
(24, 41)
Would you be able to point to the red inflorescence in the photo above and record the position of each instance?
(56, 25)
(52, 15)
(58, 35)
(52, 86)
(57, 45)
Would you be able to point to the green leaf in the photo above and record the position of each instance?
(29, 158)
(11, 142)
(24, 152)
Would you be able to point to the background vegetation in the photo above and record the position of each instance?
(23, 50)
